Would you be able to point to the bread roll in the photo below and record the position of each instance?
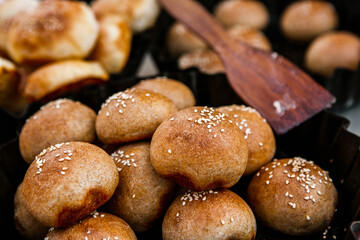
(206, 60)
(180, 39)
(257, 133)
(176, 91)
(112, 49)
(97, 226)
(9, 81)
(302, 21)
(199, 148)
(68, 181)
(9, 10)
(52, 80)
(55, 30)
(250, 36)
(58, 121)
(217, 214)
(140, 14)
(293, 196)
(142, 196)
(244, 12)
(25, 223)
(331, 51)
(132, 115)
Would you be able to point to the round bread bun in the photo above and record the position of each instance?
(9, 10)
(331, 51)
(180, 39)
(257, 133)
(68, 181)
(199, 148)
(218, 214)
(142, 196)
(99, 225)
(132, 115)
(9, 81)
(55, 30)
(140, 14)
(243, 12)
(52, 80)
(293, 196)
(176, 91)
(206, 60)
(302, 21)
(58, 121)
(112, 49)
(25, 223)
(250, 36)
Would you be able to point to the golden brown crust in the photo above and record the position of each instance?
(293, 196)
(206, 60)
(25, 223)
(58, 121)
(113, 46)
(55, 30)
(181, 39)
(244, 12)
(251, 36)
(83, 173)
(142, 196)
(9, 81)
(140, 14)
(132, 115)
(97, 226)
(52, 79)
(257, 132)
(175, 90)
(199, 148)
(331, 51)
(218, 214)
(304, 20)
(9, 10)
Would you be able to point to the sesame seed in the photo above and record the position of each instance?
(177, 214)
(222, 222)
(258, 174)
(267, 182)
(133, 196)
(287, 182)
(62, 172)
(169, 151)
(232, 219)
(308, 218)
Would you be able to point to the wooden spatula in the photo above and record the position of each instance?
(283, 94)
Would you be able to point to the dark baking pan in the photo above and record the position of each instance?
(323, 139)
(343, 84)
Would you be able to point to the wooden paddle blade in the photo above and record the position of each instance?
(281, 92)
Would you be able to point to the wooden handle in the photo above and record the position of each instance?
(198, 19)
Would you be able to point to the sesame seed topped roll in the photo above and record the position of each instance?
(213, 214)
(132, 115)
(142, 196)
(293, 196)
(98, 225)
(175, 90)
(68, 181)
(257, 133)
(199, 148)
(62, 120)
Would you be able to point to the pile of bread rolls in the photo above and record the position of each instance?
(57, 45)
(309, 22)
(151, 156)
